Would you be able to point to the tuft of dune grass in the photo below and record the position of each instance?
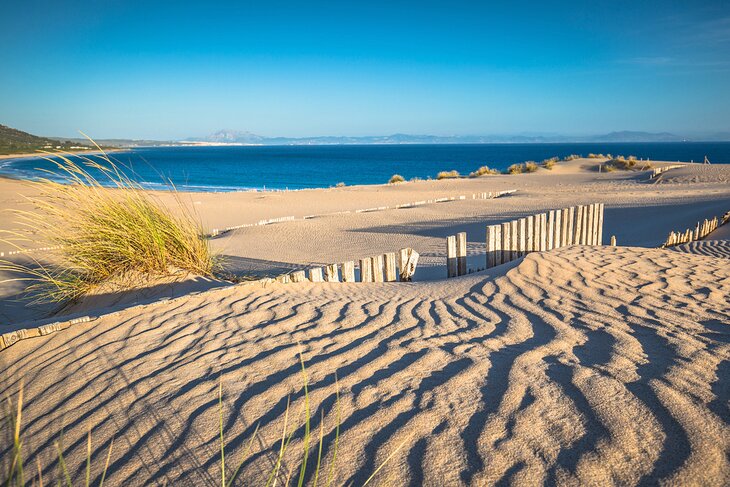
(396, 178)
(483, 171)
(106, 227)
(448, 175)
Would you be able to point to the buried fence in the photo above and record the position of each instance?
(657, 171)
(387, 267)
(576, 225)
(700, 231)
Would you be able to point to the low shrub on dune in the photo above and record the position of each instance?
(483, 171)
(571, 157)
(530, 166)
(550, 163)
(448, 175)
(516, 169)
(396, 178)
(106, 227)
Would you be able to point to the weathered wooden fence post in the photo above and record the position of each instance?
(408, 263)
(377, 268)
(298, 276)
(451, 265)
(461, 253)
(564, 227)
(348, 271)
(330, 273)
(513, 240)
(600, 223)
(366, 269)
(315, 275)
(613, 240)
(584, 226)
(506, 243)
(391, 274)
(522, 237)
(571, 225)
(494, 246)
(557, 237)
(543, 232)
(550, 230)
(530, 237)
(578, 227)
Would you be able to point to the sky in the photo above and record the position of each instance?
(171, 70)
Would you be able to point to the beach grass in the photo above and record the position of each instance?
(483, 171)
(396, 178)
(105, 227)
(453, 174)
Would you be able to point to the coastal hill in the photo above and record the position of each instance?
(14, 141)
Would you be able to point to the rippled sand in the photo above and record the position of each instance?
(582, 366)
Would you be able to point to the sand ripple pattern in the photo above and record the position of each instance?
(583, 366)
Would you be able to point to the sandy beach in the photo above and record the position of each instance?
(584, 365)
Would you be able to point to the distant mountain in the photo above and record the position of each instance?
(248, 138)
(628, 136)
(14, 141)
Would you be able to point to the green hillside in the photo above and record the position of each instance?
(13, 141)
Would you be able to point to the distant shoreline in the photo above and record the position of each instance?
(26, 155)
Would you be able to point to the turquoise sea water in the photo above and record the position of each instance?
(297, 167)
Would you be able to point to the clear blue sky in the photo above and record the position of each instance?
(175, 69)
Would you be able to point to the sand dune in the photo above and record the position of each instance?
(579, 366)
(586, 366)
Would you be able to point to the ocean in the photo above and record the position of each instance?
(297, 167)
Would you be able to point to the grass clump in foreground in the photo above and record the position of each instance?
(396, 178)
(448, 175)
(107, 229)
(283, 469)
(483, 171)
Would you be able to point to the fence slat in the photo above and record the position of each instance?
(564, 227)
(366, 269)
(522, 237)
(391, 274)
(600, 223)
(506, 243)
(461, 253)
(513, 239)
(490, 246)
(584, 226)
(298, 276)
(347, 270)
(530, 235)
(557, 236)
(377, 268)
(315, 275)
(550, 229)
(498, 250)
(578, 225)
(613, 240)
(543, 232)
(451, 266)
(591, 224)
(570, 235)
(330, 273)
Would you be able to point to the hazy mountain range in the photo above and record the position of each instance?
(248, 138)
(12, 140)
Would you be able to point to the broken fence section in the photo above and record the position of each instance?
(388, 267)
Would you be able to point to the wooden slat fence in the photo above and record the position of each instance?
(505, 242)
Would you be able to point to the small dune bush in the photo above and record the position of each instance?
(396, 178)
(621, 163)
(483, 171)
(571, 157)
(340, 185)
(550, 163)
(448, 175)
(104, 234)
(530, 166)
(516, 169)
(596, 156)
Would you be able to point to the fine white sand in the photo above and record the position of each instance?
(578, 366)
